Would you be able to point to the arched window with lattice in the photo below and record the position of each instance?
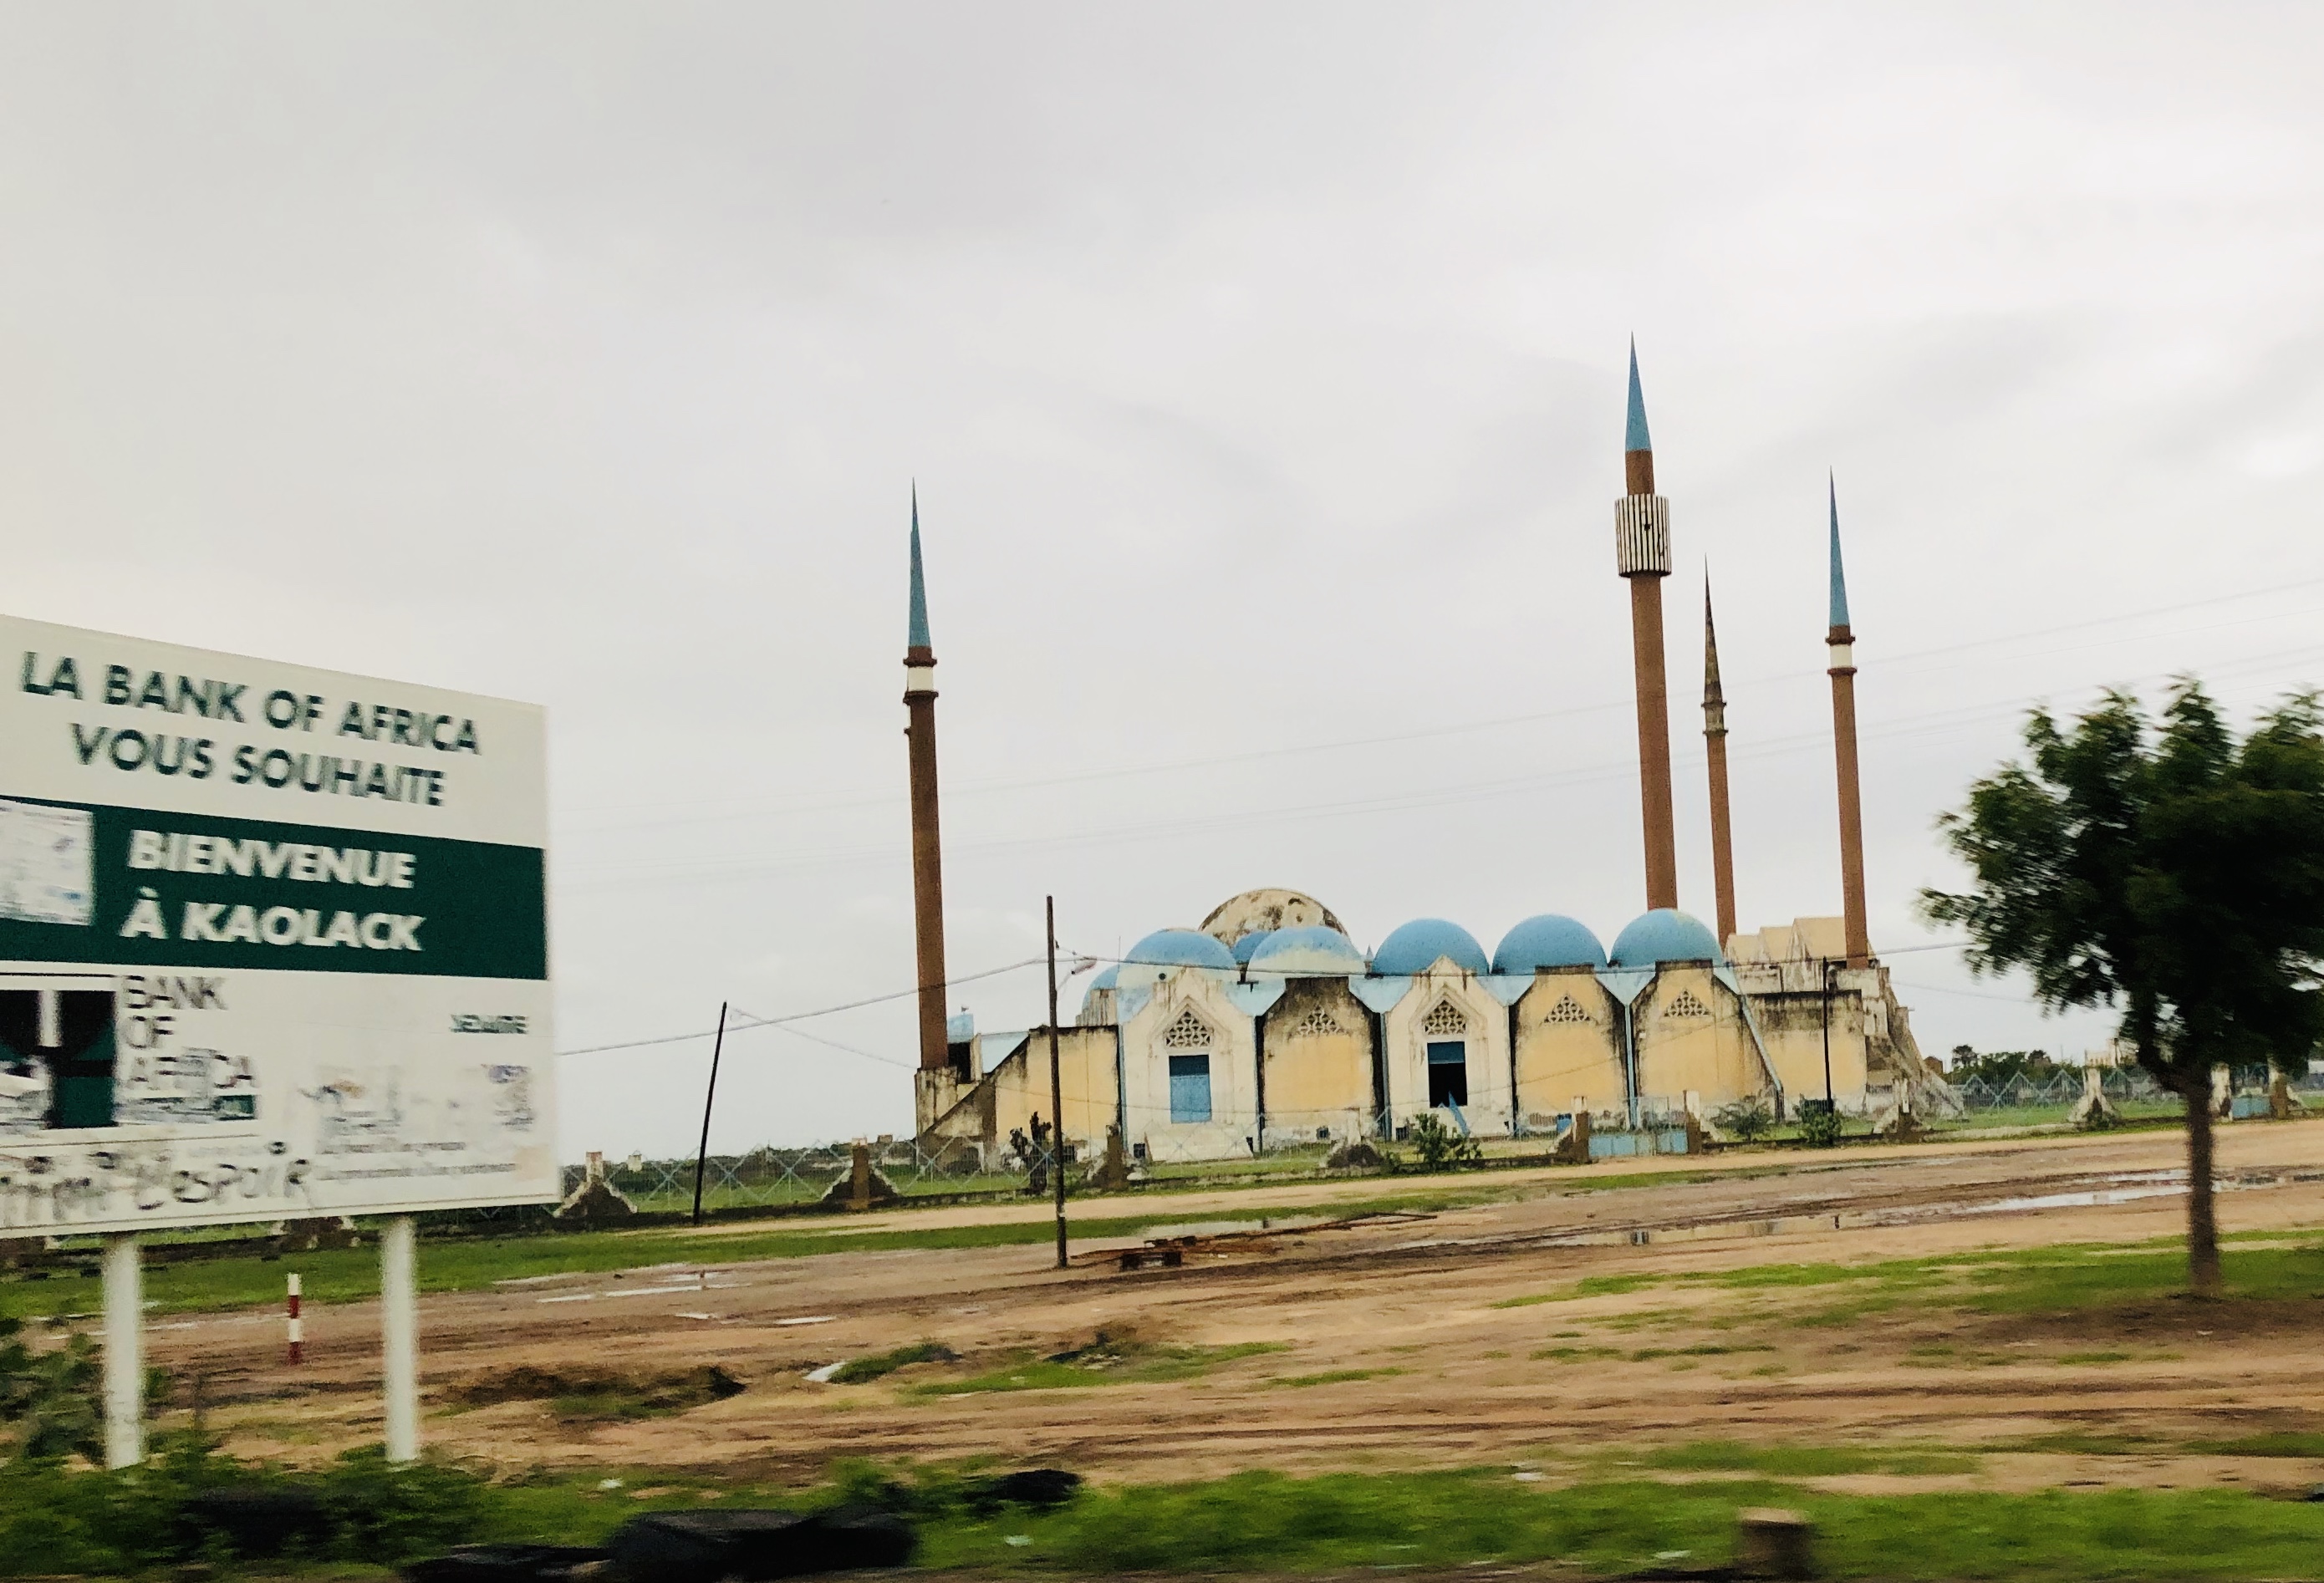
(1444, 1018)
(1188, 1032)
(1685, 1004)
(1568, 1010)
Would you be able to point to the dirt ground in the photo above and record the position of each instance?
(1436, 1374)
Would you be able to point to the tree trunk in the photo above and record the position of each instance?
(2202, 1223)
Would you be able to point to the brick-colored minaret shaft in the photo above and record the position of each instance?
(927, 847)
(1841, 640)
(1851, 799)
(1657, 817)
(1715, 742)
(928, 863)
(1642, 555)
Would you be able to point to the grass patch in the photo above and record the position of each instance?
(863, 1370)
(1707, 1349)
(1571, 1353)
(1334, 1376)
(2286, 1444)
(2080, 1357)
(2062, 1279)
(1128, 1363)
(1268, 1523)
(1588, 1286)
(1803, 1461)
(2081, 1444)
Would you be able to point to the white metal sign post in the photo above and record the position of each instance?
(274, 943)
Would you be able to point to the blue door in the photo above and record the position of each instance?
(1190, 1088)
(1448, 1072)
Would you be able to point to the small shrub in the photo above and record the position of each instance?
(1749, 1119)
(1819, 1124)
(50, 1398)
(1440, 1147)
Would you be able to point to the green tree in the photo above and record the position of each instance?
(2167, 870)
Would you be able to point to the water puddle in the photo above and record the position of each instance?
(2127, 1187)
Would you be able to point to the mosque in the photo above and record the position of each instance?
(1266, 1027)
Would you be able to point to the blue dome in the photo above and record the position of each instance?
(1311, 950)
(1180, 948)
(1551, 939)
(1414, 947)
(1109, 979)
(1250, 942)
(1665, 935)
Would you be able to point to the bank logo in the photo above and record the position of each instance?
(469, 1022)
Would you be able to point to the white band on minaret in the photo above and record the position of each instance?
(1642, 536)
(919, 679)
(1843, 657)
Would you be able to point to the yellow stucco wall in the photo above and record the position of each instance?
(1558, 1058)
(1020, 1085)
(1692, 1038)
(1319, 1063)
(1792, 1026)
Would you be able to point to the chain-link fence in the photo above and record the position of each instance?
(1295, 1146)
(771, 1177)
(2049, 1096)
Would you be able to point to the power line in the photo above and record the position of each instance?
(1905, 658)
(1954, 716)
(784, 1022)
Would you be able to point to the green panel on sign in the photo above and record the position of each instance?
(183, 890)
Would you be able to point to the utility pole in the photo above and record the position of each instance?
(702, 1153)
(1828, 970)
(1057, 1090)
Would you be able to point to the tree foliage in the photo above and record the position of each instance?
(2000, 1068)
(2166, 870)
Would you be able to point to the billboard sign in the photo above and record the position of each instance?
(274, 941)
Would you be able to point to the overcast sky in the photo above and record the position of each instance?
(1261, 368)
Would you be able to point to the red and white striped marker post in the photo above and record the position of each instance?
(296, 1331)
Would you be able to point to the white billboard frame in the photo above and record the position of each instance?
(273, 944)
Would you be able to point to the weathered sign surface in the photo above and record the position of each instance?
(274, 941)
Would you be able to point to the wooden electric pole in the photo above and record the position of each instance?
(1057, 1090)
(710, 1094)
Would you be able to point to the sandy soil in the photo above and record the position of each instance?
(1452, 1380)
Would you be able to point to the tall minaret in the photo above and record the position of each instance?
(928, 851)
(1715, 742)
(1642, 554)
(1842, 644)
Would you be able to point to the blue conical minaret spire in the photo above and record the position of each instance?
(1636, 438)
(1839, 574)
(917, 637)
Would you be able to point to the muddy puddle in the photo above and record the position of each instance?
(2121, 1188)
